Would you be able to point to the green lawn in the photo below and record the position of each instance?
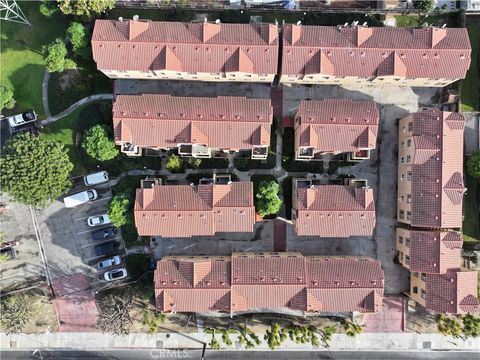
(470, 87)
(22, 65)
(471, 226)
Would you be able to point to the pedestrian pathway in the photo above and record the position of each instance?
(340, 342)
(46, 108)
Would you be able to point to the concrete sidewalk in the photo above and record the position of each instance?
(340, 342)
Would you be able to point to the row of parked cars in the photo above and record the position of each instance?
(107, 249)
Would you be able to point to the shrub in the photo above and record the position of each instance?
(117, 210)
(6, 97)
(77, 35)
(55, 57)
(98, 144)
(174, 163)
(473, 164)
(268, 201)
(48, 8)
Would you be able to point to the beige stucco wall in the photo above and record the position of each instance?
(178, 75)
(402, 248)
(378, 81)
(404, 184)
(420, 284)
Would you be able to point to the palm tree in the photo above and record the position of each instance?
(352, 328)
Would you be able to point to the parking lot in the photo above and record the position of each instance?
(67, 237)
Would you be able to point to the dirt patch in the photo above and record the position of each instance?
(67, 79)
(45, 318)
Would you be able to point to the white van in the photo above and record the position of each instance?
(80, 198)
(96, 178)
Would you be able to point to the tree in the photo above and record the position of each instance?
(16, 312)
(34, 170)
(425, 5)
(268, 201)
(194, 162)
(473, 164)
(114, 314)
(153, 320)
(117, 210)
(48, 8)
(55, 57)
(77, 35)
(352, 328)
(448, 326)
(85, 7)
(326, 334)
(471, 325)
(275, 336)
(98, 144)
(6, 97)
(174, 163)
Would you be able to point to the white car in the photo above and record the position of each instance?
(116, 274)
(98, 220)
(109, 262)
(96, 178)
(80, 198)
(23, 118)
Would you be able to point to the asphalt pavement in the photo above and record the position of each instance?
(234, 355)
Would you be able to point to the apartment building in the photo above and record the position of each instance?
(335, 211)
(425, 57)
(430, 170)
(335, 126)
(259, 282)
(144, 49)
(196, 127)
(214, 205)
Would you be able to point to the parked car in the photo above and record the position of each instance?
(23, 118)
(104, 234)
(98, 220)
(80, 198)
(116, 274)
(115, 260)
(108, 249)
(96, 178)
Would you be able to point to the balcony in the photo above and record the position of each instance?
(305, 153)
(259, 152)
(130, 149)
(194, 150)
(359, 156)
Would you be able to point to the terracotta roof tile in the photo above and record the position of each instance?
(379, 51)
(198, 47)
(153, 120)
(262, 281)
(437, 170)
(335, 211)
(338, 125)
(185, 210)
(454, 292)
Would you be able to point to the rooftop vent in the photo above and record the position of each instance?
(135, 17)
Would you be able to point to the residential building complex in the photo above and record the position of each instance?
(332, 210)
(252, 282)
(215, 205)
(186, 51)
(195, 126)
(335, 126)
(430, 170)
(425, 57)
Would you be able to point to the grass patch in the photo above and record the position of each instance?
(245, 164)
(212, 163)
(470, 96)
(471, 222)
(21, 58)
(69, 130)
(451, 19)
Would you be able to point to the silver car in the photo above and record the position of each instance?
(115, 260)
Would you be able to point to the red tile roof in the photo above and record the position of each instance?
(384, 51)
(454, 292)
(335, 211)
(154, 120)
(434, 251)
(186, 210)
(253, 281)
(338, 125)
(187, 47)
(437, 170)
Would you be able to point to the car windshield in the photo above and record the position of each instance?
(117, 274)
(90, 195)
(106, 233)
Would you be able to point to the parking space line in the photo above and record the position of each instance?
(83, 232)
(105, 198)
(189, 246)
(82, 218)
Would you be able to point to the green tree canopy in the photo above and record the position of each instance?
(268, 201)
(117, 210)
(6, 97)
(85, 7)
(473, 164)
(98, 144)
(174, 163)
(471, 325)
(55, 57)
(426, 5)
(34, 170)
(77, 35)
(48, 8)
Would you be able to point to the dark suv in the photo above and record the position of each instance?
(107, 249)
(105, 233)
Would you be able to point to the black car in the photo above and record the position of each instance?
(105, 233)
(107, 249)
